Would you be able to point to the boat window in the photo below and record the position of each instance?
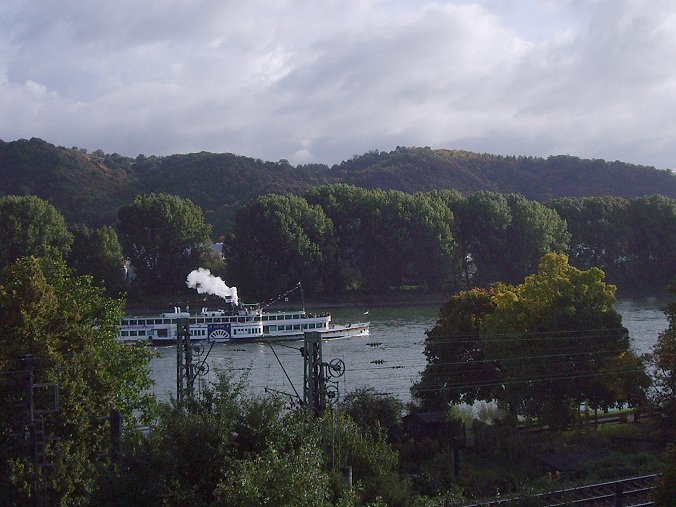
(209, 321)
(296, 326)
(125, 333)
(166, 321)
(162, 333)
(193, 321)
(132, 322)
(240, 319)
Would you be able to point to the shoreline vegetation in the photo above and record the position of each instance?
(406, 297)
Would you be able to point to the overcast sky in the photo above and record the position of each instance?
(320, 81)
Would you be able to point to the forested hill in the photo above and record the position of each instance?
(90, 187)
(424, 169)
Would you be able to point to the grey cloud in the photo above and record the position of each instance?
(323, 81)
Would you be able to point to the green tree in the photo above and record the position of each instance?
(31, 226)
(279, 241)
(373, 412)
(273, 478)
(98, 253)
(563, 321)
(503, 236)
(347, 207)
(230, 448)
(652, 241)
(458, 370)
(386, 238)
(544, 347)
(600, 229)
(164, 236)
(664, 362)
(69, 327)
(665, 493)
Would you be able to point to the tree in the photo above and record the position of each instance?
(540, 348)
(279, 241)
(600, 230)
(386, 238)
(652, 241)
(665, 493)
(347, 207)
(373, 412)
(229, 448)
(563, 321)
(69, 327)
(664, 362)
(164, 237)
(457, 368)
(98, 253)
(31, 226)
(503, 236)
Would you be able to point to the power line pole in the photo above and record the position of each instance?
(184, 366)
(319, 390)
(314, 395)
(35, 423)
(187, 370)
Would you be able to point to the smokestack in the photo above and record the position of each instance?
(205, 283)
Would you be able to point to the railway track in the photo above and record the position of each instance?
(631, 492)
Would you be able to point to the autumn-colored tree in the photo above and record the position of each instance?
(540, 348)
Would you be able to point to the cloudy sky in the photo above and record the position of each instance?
(322, 80)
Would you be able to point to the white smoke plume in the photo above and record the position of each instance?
(205, 283)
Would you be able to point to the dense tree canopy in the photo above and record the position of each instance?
(458, 370)
(664, 362)
(98, 253)
(279, 241)
(69, 327)
(599, 228)
(340, 237)
(652, 241)
(164, 236)
(228, 448)
(89, 188)
(386, 238)
(504, 236)
(632, 240)
(540, 348)
(31, 226)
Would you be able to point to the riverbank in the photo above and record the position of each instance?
(166, 302)
(158, 303)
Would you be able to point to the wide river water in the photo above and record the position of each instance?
(389, 360)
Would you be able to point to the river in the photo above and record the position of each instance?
(389, 360)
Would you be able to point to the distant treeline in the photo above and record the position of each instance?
(338, 238)
(89, 188)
